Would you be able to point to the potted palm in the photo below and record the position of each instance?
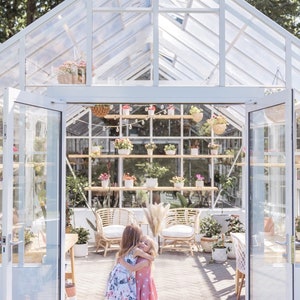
(170, 149)
(81, 246)
(210, 228)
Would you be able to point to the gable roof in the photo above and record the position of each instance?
(154, 43)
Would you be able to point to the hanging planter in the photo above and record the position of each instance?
(219, 128)
(100, 110)
(196, 113)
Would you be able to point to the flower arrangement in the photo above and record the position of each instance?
(170, 106)
(213, 146)
(176, 179)
(127, 176)
(214, 120)
(123, 143)
(195, 110)
(104, 176)
(151, 146)
(199, 177)
(68, 67)
(126, 106)
(169, 147)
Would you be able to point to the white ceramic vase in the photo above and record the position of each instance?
(105, 183)
(151, 182)
(124, 151)
(199, 183)
(129, 183)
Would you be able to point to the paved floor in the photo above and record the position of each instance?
(178, 276)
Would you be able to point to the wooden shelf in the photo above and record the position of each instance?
(160, 188)
(145, 117)
(150, 156)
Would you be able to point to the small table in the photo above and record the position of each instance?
(70, 241)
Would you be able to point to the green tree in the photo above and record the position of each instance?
(17, 14)
(284, 12)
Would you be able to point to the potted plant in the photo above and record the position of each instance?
(129, 180)
(194, 149)
(170, 109)
(210, 228)
(150, 147)
(218, 123)
(298, 228)
(219, 250)
(213, 148)
(153, 171)
(170, 149)
(151, 109)
(126, 109)
(96, 150)
(197, 113)
(178, 181)
(234, 225)
(81, 246)
(123, 145)
(199, 180)
(104, 178)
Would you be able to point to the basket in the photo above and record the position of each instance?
(100, 110)
(219, 128)
(65, 78)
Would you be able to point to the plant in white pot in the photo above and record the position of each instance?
(234, 225)
(153, 171)
(150, 147)
(81, 246)
(210, 228)
(170, 149)
(219, 250)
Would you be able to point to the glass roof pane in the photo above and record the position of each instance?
(121, 3)
(188, 4)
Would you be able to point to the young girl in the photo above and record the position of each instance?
(121, 284)
(145, 286)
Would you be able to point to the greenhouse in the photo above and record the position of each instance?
(99, 97)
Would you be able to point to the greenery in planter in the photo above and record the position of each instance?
(75, 190)
(170, 147)
(209, 226)
(83, 234)
(219, 244)
(234, 225)
(152, 170)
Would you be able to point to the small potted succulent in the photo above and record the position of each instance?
(170, 149)
(178, 181)
(150, 147)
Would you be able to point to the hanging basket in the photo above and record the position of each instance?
(65, 78)
(100, 110)
(219, 128)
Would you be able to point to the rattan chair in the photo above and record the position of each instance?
(180, 227)
(240, 250)
(110, 223)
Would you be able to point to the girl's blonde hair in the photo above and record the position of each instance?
(130, 239)
(152, 245)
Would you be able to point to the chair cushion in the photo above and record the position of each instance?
(113, 231)
(179, 231)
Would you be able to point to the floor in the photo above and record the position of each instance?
(178, 276)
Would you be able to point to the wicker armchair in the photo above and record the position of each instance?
(110, 223)
(181, 225)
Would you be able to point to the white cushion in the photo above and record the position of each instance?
(178, 231)
(113, 231)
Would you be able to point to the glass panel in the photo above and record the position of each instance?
(267, 233)
(36, 207)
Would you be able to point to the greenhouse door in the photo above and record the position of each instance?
(31, 197)
(270, 197)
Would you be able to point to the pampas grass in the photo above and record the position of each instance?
(155, 214)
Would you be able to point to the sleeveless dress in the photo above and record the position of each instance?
(145, 286)
(121, 283)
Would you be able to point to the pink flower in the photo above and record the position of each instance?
(199, 177)
(104, 176)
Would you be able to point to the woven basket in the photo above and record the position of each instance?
(65, 78)
(219, 128)
(100, 110)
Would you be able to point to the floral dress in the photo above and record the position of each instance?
(121, 283)
(145, 286)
